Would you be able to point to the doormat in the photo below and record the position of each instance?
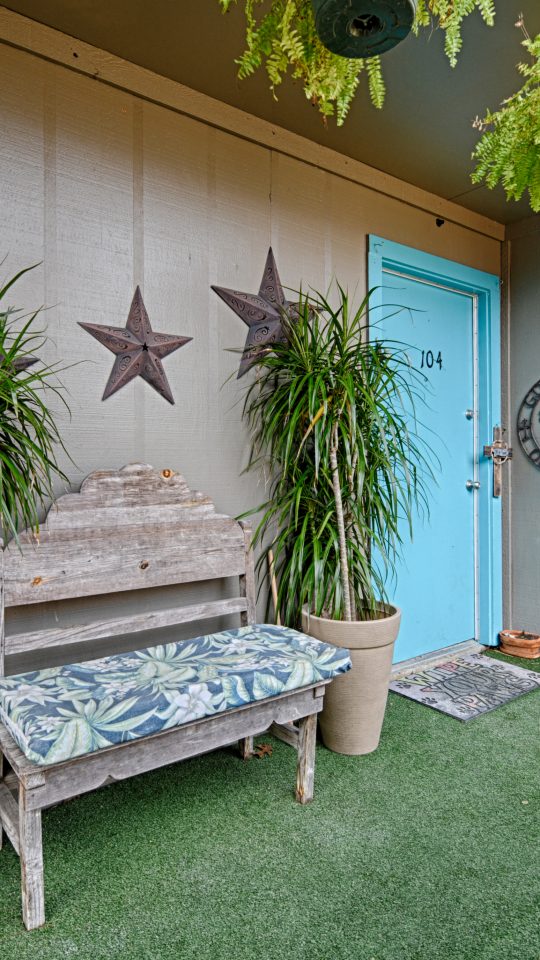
(464, 687)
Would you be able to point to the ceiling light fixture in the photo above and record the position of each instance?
(362, 28)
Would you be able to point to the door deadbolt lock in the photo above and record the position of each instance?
(473, 484)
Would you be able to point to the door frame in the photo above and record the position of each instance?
(484, 289)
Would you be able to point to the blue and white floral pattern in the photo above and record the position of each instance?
(64, 712)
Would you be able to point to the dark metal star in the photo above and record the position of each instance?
(20, 363)
(139, 350)
(263, 314)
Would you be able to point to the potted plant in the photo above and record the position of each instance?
(29, 435)
(331, 417)
(520, 643)
(282, 36)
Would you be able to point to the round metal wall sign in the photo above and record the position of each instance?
(528, 424)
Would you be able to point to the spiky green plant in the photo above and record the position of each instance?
(29, 434)
(509, 150)
(283, 38)
(331, 418)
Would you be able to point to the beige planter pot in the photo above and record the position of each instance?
(355, 702)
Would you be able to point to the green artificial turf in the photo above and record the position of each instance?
(426, 849)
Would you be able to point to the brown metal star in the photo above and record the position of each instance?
(263, 314)
(20, 363)
(138, 350)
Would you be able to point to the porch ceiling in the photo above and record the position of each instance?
(424, 133)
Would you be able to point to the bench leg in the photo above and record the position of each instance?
(2, 769)
(245, 746)
(305, 770)
(33, 895)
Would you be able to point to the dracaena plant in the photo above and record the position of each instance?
(283, 38)
(29, 434)
(331, 419)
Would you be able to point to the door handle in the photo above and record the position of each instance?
(473, 484)
(500, 453)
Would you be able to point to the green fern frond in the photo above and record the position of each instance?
(377, 88)
(283, 38)
(509, 149)
(449, 15)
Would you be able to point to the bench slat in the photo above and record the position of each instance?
(99, 629)
(73, 569)
(286, 732)
(10, 816)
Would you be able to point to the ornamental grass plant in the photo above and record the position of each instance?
(332, 418)
(29, 434)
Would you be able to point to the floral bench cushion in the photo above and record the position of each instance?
(64, 712)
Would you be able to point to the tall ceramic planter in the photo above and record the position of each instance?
(355, 702)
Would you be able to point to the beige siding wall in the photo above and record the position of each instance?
(524, 515)
(108, 190)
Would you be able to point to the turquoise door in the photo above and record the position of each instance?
(438, 581)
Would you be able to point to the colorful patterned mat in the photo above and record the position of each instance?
(467, 686)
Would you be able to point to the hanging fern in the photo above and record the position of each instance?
(449, 15)
(284, 39)
(509, 151)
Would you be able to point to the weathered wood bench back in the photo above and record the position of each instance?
(126, 529)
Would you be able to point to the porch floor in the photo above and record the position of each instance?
(425, 849)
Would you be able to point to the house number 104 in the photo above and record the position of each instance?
(429, 360)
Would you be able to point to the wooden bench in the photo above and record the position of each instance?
(125, 530)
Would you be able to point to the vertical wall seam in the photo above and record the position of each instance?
(328, 258)
(138, 195)
(271, 197)
(212, 423)
(50, 258)
(52, 315)
(139, 419)
(274, 221)
(214, 333)
(506, 413)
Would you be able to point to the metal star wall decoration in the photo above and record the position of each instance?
(263, 313)
(20, 363)
(139, 350)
